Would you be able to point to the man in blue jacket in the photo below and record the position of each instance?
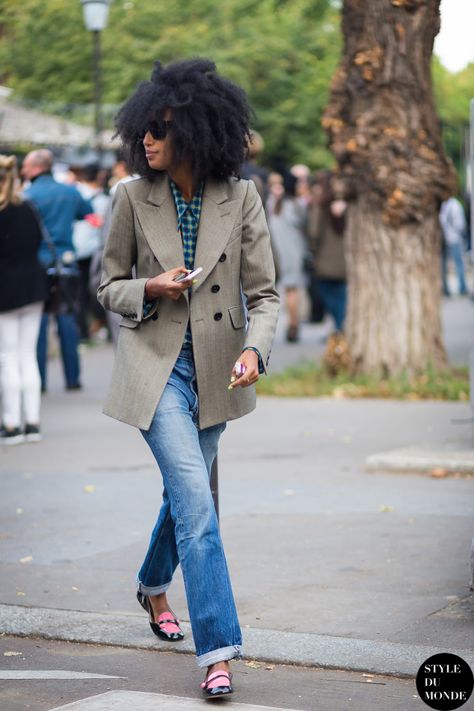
(59, 206)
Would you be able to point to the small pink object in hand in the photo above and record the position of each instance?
(237, 371)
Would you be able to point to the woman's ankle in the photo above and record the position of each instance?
(218, 666)
(159, 603)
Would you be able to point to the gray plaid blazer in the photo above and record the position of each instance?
(234, 303)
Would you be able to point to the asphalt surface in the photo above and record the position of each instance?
(279, 686)
(331, 565)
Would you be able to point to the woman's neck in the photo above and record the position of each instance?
(182, 176)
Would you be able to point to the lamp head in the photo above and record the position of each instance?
(96, 13)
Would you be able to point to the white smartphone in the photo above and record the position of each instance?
(186, 277)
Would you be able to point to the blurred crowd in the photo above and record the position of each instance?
(53, 227)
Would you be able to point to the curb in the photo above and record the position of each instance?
(303, 649)
(422, 460)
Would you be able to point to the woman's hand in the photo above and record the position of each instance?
(249, 360)
(164, 285)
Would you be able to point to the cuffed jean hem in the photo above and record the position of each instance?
(224, 654)
(158, 590)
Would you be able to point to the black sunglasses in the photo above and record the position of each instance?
(157, 129)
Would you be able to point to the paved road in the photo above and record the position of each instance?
(175, 687)
(327, 559)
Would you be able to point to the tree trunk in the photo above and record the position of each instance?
(391, 164)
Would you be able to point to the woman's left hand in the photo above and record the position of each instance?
(249, 361)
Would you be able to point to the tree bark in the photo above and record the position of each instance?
(386, 137)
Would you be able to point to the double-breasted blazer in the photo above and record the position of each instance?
(233, 304)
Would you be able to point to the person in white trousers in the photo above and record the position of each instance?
(22, 294)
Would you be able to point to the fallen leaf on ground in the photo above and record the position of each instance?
(74, 588)
(89, 488)
(254, 664)
(385, 509)
(26, 559)
(12, 654)
(20, 593)
(438, 473)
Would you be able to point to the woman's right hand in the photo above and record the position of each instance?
(164, 286)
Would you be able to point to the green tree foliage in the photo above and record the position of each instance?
(453, 93)
(283, 52)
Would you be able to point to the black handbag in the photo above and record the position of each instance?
(63, 288)
(63, 279)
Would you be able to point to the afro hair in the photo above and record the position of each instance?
(210, 118)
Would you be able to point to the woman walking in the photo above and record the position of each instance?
(189, 351)
(286, 221)
(22, 293)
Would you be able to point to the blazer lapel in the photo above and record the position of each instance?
(157, 218)
(218, 216)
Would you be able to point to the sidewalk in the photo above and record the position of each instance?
(332, 566)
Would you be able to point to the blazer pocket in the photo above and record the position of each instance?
(237, 316)
(128, 322)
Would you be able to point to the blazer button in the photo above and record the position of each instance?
(217, 316)
(215, 288)
(223, 257)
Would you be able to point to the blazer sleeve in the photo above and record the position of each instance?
(119, 291)
(258, 275)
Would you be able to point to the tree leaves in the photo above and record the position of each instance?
(282, 53)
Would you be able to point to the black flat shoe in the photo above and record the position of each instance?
(292, 335)
(217, 684)
(167, 627)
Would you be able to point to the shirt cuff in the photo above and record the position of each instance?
(261, 368)
(147, 307)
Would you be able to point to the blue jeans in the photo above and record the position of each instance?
(333, 293)
(187, 530)
(456, 253)
(68, 332)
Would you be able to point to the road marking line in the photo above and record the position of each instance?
(25, 674)
(126, 700)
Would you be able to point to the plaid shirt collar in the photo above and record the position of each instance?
(193, 208)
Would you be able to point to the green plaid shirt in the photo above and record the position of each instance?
(188, 221)
(188, 224)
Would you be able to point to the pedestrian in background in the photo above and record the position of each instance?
(182, 342)
(120, 174)
(302, 174)
(325, 230)
(454, 228)
(59, 206)
(251, 170)
(286, 220)
(22, 293)
(87, 241)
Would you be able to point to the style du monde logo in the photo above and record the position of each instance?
(445, 681)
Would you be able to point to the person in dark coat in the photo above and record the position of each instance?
(59, 206)
(325, 230)
(22, 293)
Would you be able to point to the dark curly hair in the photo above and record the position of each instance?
(210, 118)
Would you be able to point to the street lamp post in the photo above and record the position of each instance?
(95, 18)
